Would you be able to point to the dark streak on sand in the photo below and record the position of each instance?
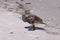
(27, 3)
(22, 0)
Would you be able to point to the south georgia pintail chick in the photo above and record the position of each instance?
(31, 19)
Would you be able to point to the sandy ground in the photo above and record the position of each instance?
(13, 28)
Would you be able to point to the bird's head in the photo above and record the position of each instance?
(27, 12)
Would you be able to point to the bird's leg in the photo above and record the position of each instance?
(33, 27)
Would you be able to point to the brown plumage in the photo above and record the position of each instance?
(31, 19)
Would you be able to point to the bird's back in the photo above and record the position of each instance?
(32, 19)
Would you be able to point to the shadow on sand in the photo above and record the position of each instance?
(36, 28)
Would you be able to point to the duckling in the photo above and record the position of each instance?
(31, 19)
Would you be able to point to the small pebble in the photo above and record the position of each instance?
(59, 7)
(37, 37)
(56, 24)
(11, 32)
